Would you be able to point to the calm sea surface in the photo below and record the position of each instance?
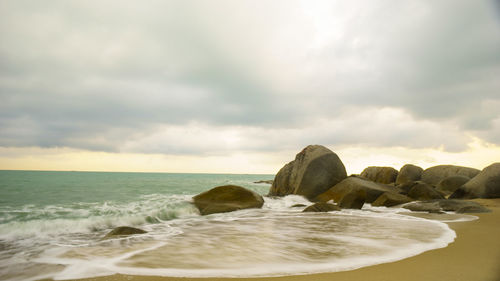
(52, 225)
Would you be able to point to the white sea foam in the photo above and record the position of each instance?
(263, 267)
(48, 221)
(276, 240)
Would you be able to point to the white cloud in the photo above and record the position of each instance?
(374, 127)
(212, 78)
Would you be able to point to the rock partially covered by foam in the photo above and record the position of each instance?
(380, 174)
(227, 198)
(124, 231)
(322, 207)
(485, 185)
(314, 170)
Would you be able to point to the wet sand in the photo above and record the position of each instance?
(473, 256)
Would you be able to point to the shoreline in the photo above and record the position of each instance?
(474, 255)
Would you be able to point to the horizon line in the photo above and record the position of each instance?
(142, 172)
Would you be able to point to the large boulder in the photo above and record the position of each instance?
(124, 231)
(485, 185)
(321, 207)
(437, 206)
(227, 198)
(434, 175)
(314, 170)
(389, 199)
(384, 175)
(352, 184)
(448, 185)
(424, 191)
(409, 173)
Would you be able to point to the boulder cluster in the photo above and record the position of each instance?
(319, 175)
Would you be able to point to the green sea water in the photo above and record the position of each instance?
(42, 188)
(52, 225)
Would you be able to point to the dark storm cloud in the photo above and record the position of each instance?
(98, 75)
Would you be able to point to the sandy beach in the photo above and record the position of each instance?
(473, 256)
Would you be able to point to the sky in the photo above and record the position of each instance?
(242, 86)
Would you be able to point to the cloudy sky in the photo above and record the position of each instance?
(242, 86)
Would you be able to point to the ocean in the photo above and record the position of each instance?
(52, 225)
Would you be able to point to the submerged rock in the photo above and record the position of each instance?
(322, 207)
(124, 231)
(352, 184)
(384, 175)
(450, 184)
(485, 185)
(314, 170)
(227, 198)
(436, 206)
(389, 199)
(434, 175)
(264, 181)
(409, 173)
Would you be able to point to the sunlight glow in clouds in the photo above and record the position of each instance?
(355, 158)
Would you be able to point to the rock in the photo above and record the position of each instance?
(409, 173)
(389, 199)
(448, 185)
(353, 200)
(351, 184)
(463, 206)
(437, 206)
(314, 170)
(264, 181)
(429, 206)
(485, 185)
(124, 231)
(434, 175)
(472, 209)
(298, 205)
(322, 207)
(424, 191)
(227, 198)
(384, 175)
(281, 184)
(406, 187)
